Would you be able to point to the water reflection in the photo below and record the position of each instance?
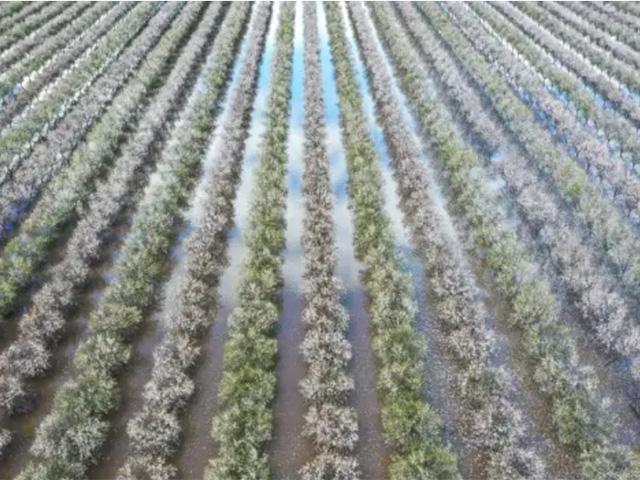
(370, 450)
(153, 330)
(197, 444)
(289, 448)
(44, 388)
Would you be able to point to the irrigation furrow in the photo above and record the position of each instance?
(604, 60)
(514, 170)
(605, 170)
(24, 253)
(360, 331)
(40, 80)
(53, 302)
(617, 132)
(610, 22)
(370, 451)
(84, 402)
(41, 390)
(532, 308)
(153, 334)
(243, 425)
(51, 305)
(20, 68)
(117, 447)
(289, 447)
(619, 98)
(35, 38)
(410, 426)
(20, 30)
(329, 423)
(618, 50)
(52, 153)
(607, 231)
(154, 431)
(196, 443)
(447, 79)
(458, 307)
(471, 110)
(43, 160)
(594, 289)
(18, 139)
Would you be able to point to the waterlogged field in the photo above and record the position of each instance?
(316, 241)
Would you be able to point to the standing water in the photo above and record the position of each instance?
(24, 426)
(371, 450)
(153, 330)
(197, 444)
(289, 450)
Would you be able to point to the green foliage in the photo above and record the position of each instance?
(70, 437)
(59, 205)
(243, 425)
(578, 414)
(409, 425)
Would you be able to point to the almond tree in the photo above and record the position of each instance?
(28, 250)
(607, 231)
(155, 430)
(70, 437)
(618, 132)
(616, 96)
(47, 47)
(330, 422)
(243, 424)
(23, 47)
(15, 31)
(411, 427)
(490, 422)
(602, 39)
(18, 138)
(578, 415)
(29, 355)
(17, 99)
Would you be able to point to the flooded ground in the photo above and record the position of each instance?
(137, 373)
(371, 451)
(197, 444)
(437, 366)
(153, 329)
(289, 449)
(24, 426)
(525, 392)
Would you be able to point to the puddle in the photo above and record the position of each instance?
(197, 445)
(289, 449)
(370, 450)
(24, 426)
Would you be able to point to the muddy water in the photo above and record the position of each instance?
(152, 331)
(24, 426)
(137, 373)
(437, 367)
(506, 352)
(289, 449)
(613, 374)
(197, 445)
(371, 451)
(525, 392)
